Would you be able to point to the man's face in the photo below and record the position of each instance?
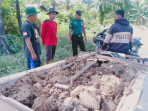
(116, 16)
(78, 17)
(52, 16)
(33, 17)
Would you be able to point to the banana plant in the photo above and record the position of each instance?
(138, 13)
(53, 3)
(68, 4)
(107, 7)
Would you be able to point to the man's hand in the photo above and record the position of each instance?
(29, 45)
(100, 49)
(85, 40)
(70, 41)
(40, 26)
(34, 57)
(70, 32)
(39, 22)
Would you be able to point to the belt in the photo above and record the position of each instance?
(78, 35)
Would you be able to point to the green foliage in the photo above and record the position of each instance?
(68, 4)
(53, 3)
(49, 3)
(15, 43)
(31, 1)
(108, 7)
(16, 63)
(9, 16)
(11, 24)
(97, 14)
(11, 64)
(138, 13)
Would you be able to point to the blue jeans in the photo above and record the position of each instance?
(33, 64)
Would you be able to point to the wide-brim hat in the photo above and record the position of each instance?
(30, 11)
(52, 10)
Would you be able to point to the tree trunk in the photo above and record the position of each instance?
(68, 4)
(101, 15)
(3, 39)
(19, 16)
(38, 4)
(53, 3)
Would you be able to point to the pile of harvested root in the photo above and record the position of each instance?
(89, 82)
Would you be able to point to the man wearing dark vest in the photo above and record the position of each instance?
(120, 35)
(76, 28)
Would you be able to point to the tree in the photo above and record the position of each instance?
(53, 3)
(146, 1)
(3, 39)
(19, 16)
(38, 3)
(110, 6)
(107, 7)
(138, 13)
(68, 4)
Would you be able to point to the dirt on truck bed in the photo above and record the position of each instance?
(99, 88)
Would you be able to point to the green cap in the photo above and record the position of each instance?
(30, 11)
(78, 12)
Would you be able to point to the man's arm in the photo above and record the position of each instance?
(130, 43)
(43, 32)
(106, 41)
(84, 32)
(108, 37)
(131, 39)
(70, 33)
(29, 45)
(40, 27)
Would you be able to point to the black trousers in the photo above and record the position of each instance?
(50, 52)
(77, 41)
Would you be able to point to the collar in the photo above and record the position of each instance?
(50, 20)
(29, 22)
(78, 20)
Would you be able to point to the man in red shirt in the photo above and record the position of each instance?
(49, 37)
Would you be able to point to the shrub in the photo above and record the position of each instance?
(15, 43)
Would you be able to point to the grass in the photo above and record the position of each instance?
(16, 63)
(12, 64)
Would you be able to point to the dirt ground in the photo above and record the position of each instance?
(142, 31)
(99, 88)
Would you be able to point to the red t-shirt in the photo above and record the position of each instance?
(49, 31)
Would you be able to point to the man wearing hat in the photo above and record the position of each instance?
(76, 28)
(49, 35)
(120, 35)
(31, 41)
